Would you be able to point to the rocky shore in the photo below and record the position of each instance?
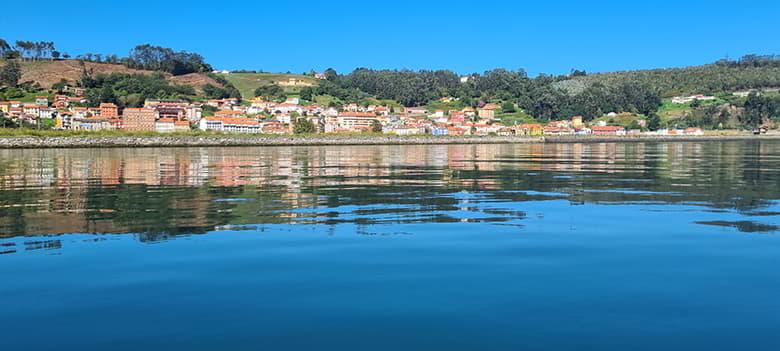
(21, 142)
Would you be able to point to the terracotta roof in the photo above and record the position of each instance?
(357, 114)
(606, 128)
(529, 126)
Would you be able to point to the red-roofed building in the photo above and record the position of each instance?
(608, 130)
(109, 110)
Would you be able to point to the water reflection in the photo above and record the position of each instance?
(157, 194)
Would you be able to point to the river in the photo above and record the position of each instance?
(602, 246)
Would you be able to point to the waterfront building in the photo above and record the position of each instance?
(139, 119)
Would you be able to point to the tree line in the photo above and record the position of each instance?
(131, 90)
(29, 50)
(145, 56)
(540, 96)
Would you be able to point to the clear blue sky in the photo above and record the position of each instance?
(465, 36)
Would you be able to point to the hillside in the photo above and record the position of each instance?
(47, 73)
(705, 79)
(246, 83)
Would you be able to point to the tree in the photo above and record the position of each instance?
(653, 122)
(756, 109)
(4, 47)
(271, 92)
(508, 107)
(303, 126)
(331, 74)
(759, 109)
(10, 74)
(376, 127)
(158, 58)
(7, 122)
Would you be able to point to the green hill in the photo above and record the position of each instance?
(706, 79)
(246, 83)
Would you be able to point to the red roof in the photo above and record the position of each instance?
(607, 128)
(357, 114)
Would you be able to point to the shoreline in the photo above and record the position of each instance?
(63, 142)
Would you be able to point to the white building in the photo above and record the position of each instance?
(229, 125)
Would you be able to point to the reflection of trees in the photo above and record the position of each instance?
(160, 193)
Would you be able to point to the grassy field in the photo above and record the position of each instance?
(246, 83)
(518, 117)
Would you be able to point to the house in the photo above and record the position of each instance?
(194, 113)
(228, 114)
(382, 110)
(287, 108)
(456, 131)
(437, 114)
(164, 125)
(95, 123)
(356, 120)
(469, 111)
(554, 129)
(485, 129)
(181, 126)
(42, 100)
(576, 122)
(229, 125)
(560, 124)
(583, 131)
(488, 111)
(529, 129)
(457, 117)
(139, 119)
(109, 110)
(687, 99)
(222, 103)
(416, 110)
(439, 130)
(175, 111)
(693, 132)
(608, 130)
(32, 109)
(274, 127)
(63, 120)
(61, 101)
(404, 130)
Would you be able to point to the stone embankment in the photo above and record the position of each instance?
(191, 141)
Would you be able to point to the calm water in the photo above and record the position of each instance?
(670, 246)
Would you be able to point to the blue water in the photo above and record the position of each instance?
(501, 247)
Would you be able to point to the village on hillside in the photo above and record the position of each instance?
(65, 111)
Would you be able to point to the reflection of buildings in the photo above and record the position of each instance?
(183, 190)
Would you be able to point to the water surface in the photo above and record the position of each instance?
(458, 247)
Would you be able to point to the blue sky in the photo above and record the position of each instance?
(465, 36)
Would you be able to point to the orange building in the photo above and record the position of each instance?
(109, 110)
(139, 119)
